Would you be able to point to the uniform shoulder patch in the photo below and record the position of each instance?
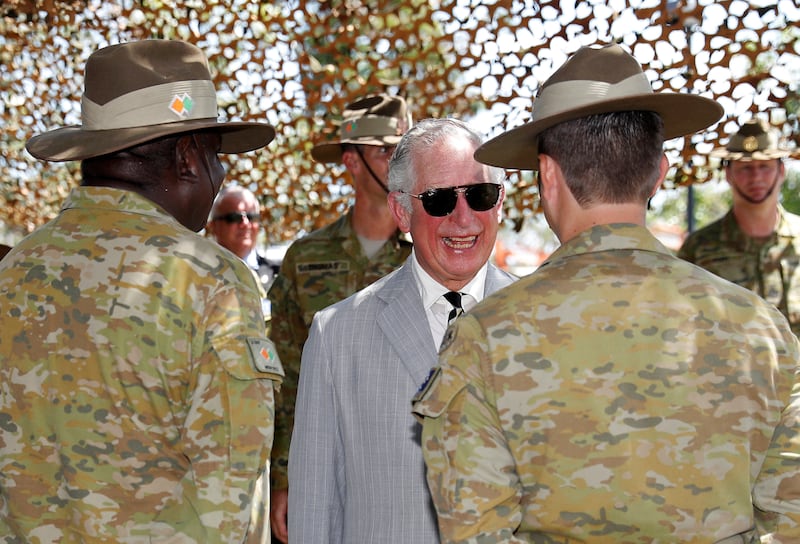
(426, 386)
(264, 357)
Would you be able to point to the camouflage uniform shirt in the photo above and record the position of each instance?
(616, 395)
(767, 266)
(136, 383)
(318, 270)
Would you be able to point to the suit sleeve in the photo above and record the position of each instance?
(315, 462)
(471, 473)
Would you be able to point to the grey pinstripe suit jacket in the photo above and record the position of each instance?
(356, 472)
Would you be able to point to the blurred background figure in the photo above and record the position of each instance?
(757, 243)
(235, 223)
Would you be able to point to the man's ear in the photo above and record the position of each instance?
(186, 159)
(549, 172)
(350, 160)
(401, 215)
(663, 168)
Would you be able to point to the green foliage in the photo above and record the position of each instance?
(790, 192)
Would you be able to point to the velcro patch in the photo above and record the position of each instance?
(264, 356)
(330, 266)
(426, 386)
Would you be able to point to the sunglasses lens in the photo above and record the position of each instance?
(238, 217)
(439, 202)
(482, 196)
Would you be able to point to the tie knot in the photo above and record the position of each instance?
(454, 298)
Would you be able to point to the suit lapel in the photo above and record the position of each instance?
(404, 323)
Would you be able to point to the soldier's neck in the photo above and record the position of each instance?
(756, 220)
(372, 219)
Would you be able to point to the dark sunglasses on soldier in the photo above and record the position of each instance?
(442, 201)
(238, 217)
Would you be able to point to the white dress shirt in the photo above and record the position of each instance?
(437, 308)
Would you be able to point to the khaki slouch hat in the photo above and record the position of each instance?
(379, 119)
(140, 91)
(755, 140)
(594, 81)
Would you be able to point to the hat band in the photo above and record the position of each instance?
(753, 144)
(569, 95)
(369, 126)
(165, 103)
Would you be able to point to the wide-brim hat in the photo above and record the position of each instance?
(140, 91)
(594, 81)
(379, 119)
(755, 140)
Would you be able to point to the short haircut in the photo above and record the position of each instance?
(608, 157)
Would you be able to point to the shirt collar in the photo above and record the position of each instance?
(431, 290)
(609, 237)
(252, 259)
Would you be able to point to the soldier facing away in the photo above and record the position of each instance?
(618, 394)
(136, 380)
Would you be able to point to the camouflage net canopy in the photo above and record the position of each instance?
(296, 64)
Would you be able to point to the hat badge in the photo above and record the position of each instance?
(181, 105)
(349, 127)
(750, 144)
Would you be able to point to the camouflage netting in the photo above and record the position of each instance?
(296, 64)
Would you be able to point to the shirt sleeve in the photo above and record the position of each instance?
(471, 473)
(227, 432)
(317, 492)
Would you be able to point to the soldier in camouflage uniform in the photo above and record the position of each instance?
(618, 394)
(334, 262)
(757, 243)
(136, 381)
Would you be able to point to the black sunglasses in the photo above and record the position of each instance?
(238, 217)
(442, 201)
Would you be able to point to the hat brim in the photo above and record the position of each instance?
(765, 155)
(332, 151)
(75, 144)
(682, 114)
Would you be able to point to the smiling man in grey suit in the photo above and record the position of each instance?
(356, 471)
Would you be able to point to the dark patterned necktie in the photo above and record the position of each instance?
(454, 298)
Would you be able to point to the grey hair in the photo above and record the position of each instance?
(424, 135)
(243, 192)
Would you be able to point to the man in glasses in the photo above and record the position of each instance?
(618, 393)
(356, 468)
(337, 260)
(757, 243)
(235, 223)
